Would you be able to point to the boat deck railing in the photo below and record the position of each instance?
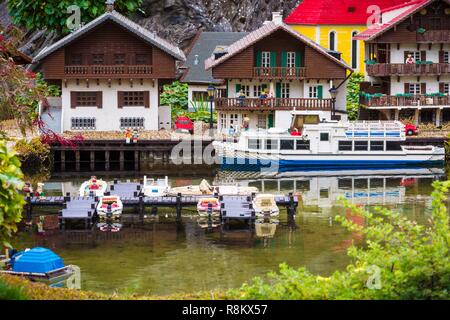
(376, 129)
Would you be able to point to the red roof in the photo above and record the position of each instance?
(332, 12)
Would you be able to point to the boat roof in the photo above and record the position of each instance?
(37, 260)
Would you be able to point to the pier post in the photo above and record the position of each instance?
(92, 159)
(28, 208)
(178, 208)
(136, 160)
(77, 160)
(122, 160)
(291, 210)
(107, 160)
(141, 206)
(63, 160)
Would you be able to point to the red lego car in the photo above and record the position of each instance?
(411, 130)
(184, 124)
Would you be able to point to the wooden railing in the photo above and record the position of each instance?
(92, 70)
(393, 69)
(272, 104)
(279, 73)
(412, 101)
(436, 36)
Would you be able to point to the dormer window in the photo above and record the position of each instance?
(98, 58)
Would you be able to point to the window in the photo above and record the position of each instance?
(82, 123)
(86, 99)
(393, 146)
(133, 98)
(254, 144)
(234, 120)
(361, 145)
(290, 60)
(221, 93)
(332, 41)
(119, 58)
(76, 59)
(262, 121)
(376, 145)
(142, 59)
(258, 90)
(246, 90)
(303, 145)
(271, 144)
(324, 193)
(285, 90)
(200, 96)
(98, 58)
(132, 123)
(446, 88)
(324, 136)
(414, 88)
(355, 51)
(265, 59)
(345, 145)
(287, 144)
(447, 57)
(415, 55)
(223, 121)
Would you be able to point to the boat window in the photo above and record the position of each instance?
(324, 136)
(303, 185)
(345, 183)
(254, 144)
(361, 183)
(345, 145)
(312, 119)
(287, 144)
(271, 144)
(324, 193)
(393, 146)
(361, 145)
(303, 145)
(376, 145)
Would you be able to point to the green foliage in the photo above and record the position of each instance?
(53, 15)
(49, 90)
(353, 95)
(201, 111)
(34, 155)
(11, 201)
(399, 260)
(10, 292)
(175, 95)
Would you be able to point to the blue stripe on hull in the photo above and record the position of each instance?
(312, 165)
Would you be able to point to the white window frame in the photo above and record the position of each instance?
(446, 56)
(415, 88)
(290, 59)
(265, 59)
(246, 89)
(285, 90)
(416, 55)
(223, 121)
(262, 121)
(447, 88)
(313, 92)
(233, 121)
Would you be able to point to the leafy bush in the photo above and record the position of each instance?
(175, 95)
(52, 14)
(34, 155)
(10, 292)
(11, 201)
(400, 260)
(353, 95)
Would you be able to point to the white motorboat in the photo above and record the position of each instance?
(206, 204)
(204, 188)
(93, 188)
(109, 207)
(265, 205)
(156, 188)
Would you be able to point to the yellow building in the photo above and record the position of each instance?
(333, 24)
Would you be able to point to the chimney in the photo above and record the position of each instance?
(110, 5)
(277, 17)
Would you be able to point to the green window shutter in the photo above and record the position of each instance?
(270, 120)
(238, 88)
(273, 59)
(278, 90)
(298, 59)
(258, 59)
(264, 86)
(320, 92)
(284, 59)
(226, 91)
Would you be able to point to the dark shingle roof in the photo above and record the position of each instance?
(204, 47)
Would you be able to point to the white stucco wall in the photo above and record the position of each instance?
(108, 117)
(432, 83)
(398, 56)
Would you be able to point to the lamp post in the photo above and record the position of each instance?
(333, 93)
(211, 93)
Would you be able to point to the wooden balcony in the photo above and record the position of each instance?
(434, 36)
(403, 69)
(99, 71)
(279, 73)
(385, 102)
(272, 104)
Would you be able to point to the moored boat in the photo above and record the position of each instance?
(93, 187)
(156, 188)
(265, 205)
(207, 205)
(109, 207)
(313, 143)
(204, 188)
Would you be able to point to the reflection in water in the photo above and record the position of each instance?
(159, 257)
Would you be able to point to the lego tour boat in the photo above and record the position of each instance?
(265, 206)
(314, 143)
(206, 204)
(156, 188)
(204, 188)
(93, 187)
(109, 207)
